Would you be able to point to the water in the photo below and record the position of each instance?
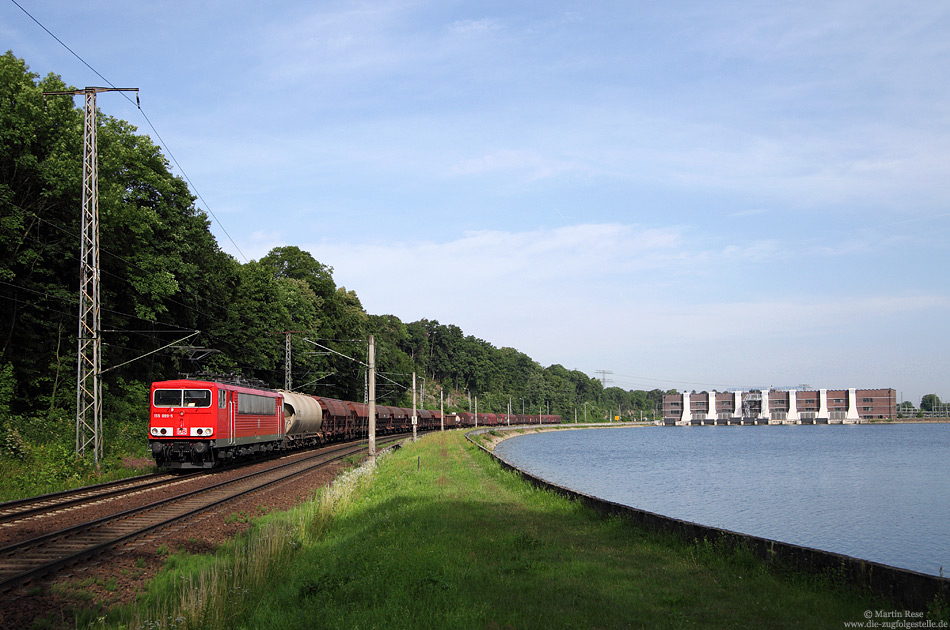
(876, 492)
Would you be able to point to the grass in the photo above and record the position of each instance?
(54, 467)
(439, 536)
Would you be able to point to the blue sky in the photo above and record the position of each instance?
(691, 195)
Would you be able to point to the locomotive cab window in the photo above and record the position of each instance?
(182, 398)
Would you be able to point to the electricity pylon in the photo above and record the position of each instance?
(89, 360)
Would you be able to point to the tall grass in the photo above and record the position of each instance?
(218, 591)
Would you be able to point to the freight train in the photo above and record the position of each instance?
(203, 424)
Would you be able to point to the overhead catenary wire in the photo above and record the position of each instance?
(130, 263)
(167, 299)
(680, 381)
(357, 361)
(152, 352)
(144, 333)
(171, 155)
(147, 120)
(216, 339)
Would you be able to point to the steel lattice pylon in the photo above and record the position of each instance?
(89, 359)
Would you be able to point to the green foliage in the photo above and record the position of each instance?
(395, 367)
(14, 447)
(929, 402)
(7, 386)
(128, 419)
(39, 197)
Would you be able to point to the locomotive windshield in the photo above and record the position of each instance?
(182, 398)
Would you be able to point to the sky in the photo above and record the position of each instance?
(689, 195)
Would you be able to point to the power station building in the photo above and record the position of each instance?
(777, 406)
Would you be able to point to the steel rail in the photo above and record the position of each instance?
(23, 508)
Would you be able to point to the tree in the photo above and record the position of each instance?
(40, 193)
(293, 262)
(929, 402)
(416, 345)
(394, 367)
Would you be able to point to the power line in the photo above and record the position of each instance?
(60, 41)
(603, 376)
(215, 339)
(130, 263)
(151, 126)
(660, 380)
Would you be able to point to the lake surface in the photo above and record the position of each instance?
(876, 492)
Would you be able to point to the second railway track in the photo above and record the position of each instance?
(11, 511)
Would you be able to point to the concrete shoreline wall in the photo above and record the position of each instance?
(906, 588)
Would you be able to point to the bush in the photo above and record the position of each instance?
(13, 445)
(56, 465)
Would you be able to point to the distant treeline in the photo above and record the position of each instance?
(164, 276)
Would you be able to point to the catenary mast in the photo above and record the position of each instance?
(89, 359)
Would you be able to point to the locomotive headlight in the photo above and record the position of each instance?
(201, 431)
(159, 431)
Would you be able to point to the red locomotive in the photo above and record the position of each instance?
(202, 424)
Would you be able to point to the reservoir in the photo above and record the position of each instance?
(875, 492)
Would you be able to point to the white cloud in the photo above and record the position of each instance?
(475, 27)
(260, 243)
(531, 164)
(510, 263)
(623, 296)
(303, 45)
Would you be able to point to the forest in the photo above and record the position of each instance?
(166, 282)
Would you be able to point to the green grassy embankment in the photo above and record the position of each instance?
(440, 536)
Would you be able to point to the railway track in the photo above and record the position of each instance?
(29, 560)
(34, 506)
